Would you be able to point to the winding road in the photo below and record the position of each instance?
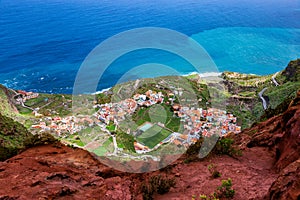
(274, 80)
(21, 102)
(260, 94)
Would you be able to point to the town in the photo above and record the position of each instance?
(191, 122)
(197, 121)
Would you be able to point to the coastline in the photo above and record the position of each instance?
(101, 91)
(202, 75)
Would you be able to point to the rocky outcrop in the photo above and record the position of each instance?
(292, 71)
(59, 172)
(287, 185)
(280, 133)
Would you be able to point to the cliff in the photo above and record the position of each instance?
(268, 169)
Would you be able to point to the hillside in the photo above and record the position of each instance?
(243, 93)
(13, 137)
(267, 169)
(6, 106)
(262, 161)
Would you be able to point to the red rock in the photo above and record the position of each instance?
(268, 168)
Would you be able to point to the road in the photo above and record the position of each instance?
(24, 106)
(260, 94)
(136, 84)
(115, 145)
(274, 80)
(21, 102)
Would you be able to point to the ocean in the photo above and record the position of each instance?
(44, 42)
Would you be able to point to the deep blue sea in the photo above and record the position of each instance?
(44, 42)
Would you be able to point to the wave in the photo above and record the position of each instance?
(204, 75)
(101, 91)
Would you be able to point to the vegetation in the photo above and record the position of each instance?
(225, 190)
(247, 80)
(13, 137)
(147, 86)
(40, 139)
(281, 93)
(153, 136)
(111, 126)
(201, 91)
(291, 72)
(225, 146)
(205, 197)
(6, 107)
(270, 112)
(125, 141)
(75, 139)
(103, 98)
(195, 148)
(245, 116)
(56, 103)
(156, 185)
(149, 114)
(246, 104)
(213, 171)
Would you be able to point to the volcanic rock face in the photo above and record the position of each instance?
(287, 185)
(56, 171)
(281, 134)
(59, 172)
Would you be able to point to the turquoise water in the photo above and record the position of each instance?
(43, 43)
(251, 50)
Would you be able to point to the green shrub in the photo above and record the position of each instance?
(195, 148)
(40, 139)
(205, 197)
(225, 146)
(225, 190)
(13, 136)
(125, 141)
(7, 152)
(213, 171)
(156, 184)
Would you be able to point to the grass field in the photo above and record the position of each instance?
(100, 151)
(165, 116)
(55, 102)
(125, 141)
(153, 136)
